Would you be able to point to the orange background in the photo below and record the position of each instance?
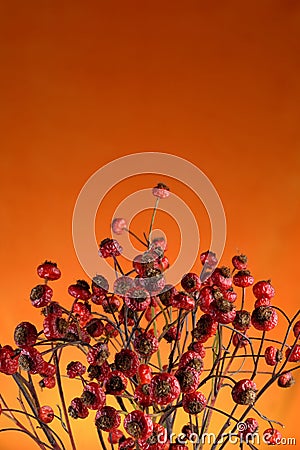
(83, 83)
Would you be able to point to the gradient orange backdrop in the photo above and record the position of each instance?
(84, 82)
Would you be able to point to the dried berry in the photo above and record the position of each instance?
(244, 392)
(264, 318)
(138, 425)
(194, 403)
(41, 295)
(48, 271)
(165, 388)
(107, 418)
(46, 414)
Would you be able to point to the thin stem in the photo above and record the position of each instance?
(152, 219)
(136, 237)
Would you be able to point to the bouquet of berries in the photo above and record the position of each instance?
(134, 390)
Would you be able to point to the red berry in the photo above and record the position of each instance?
(188, 378)
(107, 418)
(206, 297)
(161, 190)
(114, 436)
(262, 302)
(100, 373)
(98, 353)
(75, 369)
(191, 359)
(197, 347)
(190, 282)
(46, 414)
(264, 318)
(100, 286)
(115, 383)
(271, 436)
(239, 341)
(209, 259)
(127, 361)
(145, 343)
(127, 444)
(296, 329)
(167, 295)
(80, 290)
(173, 334)
(205, 328)
(75, 333)
(286, 380)
(95, 327)
(165, 388)
(164, 262)
(244, 392)
(130, 314)
(31, 360)
(293, 355)
(250, 426)
(110, 331)
(77, 409)
(111, 304)
(119, 225)
(49, 271)
(272, 355)
(223, 311)
(143, 395)
(144, 374)
(93, 396)
(158, 439)
(109, 248)
(25, 334)
(243, 278)
(194, 403)
(137, 299)
(240, 262)
(138, 425)
(221, 277)
(229, 294)
(242, 321)
(9, 360)
(263, 289)
(174, 446)
(48, 382)
(159, 242)
(47, 370)
(41, 295)
(122, 285)
(54, 326)
(83, 312)
(183, 301)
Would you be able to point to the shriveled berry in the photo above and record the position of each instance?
(239, 340)
(143, 395)
(98, 353)
(263, 289)
(286, 380)
(82, 312)
(77, 409)
(197, 347)
(191, 359)
(118, 225)
(293, 355)
(31, 360)
(173, 334)
(107, 418)
(122, 285)
(144, 374)
(161, 190)
(262, 302)
(75, 369)
(183, 301)
(137, 299)
(242, 321)
(240, 262)
(138, 424)
(127, 444)
(243, 278)
(209, 259)
(264, 318)
(205, 328)
(190, 282)
(111, 304)
(54, 326)
(80, 290)
(115, 383)
(273, 355)
(165, 388)
(110, 331)
(48, 382)
(221, 277)
(95, 327)
(25, 334)
(244, 392)
(41, 295)
(93, 396)
(194, 403)
(188, 378)
(100, 285)
(167, 294)
(145, 343)
(250, 426)
(46, 414)
(47, 370)
(49, 271)
(127, 361)
(109, 248)
(158, 440)
(99, 372)
(271, 436)
(9, 360)
(114, 436)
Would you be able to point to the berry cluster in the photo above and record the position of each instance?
(131, 390)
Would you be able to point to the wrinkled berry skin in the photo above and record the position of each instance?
(190, 282)
(240, 262)
(242, 321)
(145, 344)
(9, 361)
(188, 378)
(48, 382)
(191, 359)
(205, 328)
(293, 356)
(143, 395)
(272, 355)
(77, 409)
(264, 318)
(115, 383)
(244, 392)
(109, 248)
(95, 327)
(158, 439)
(80, 290)
(223, 311)
(118, 225)
(114, 436)
(161, 190)
(262, 302)
(93, 396)
(172, 334)
(167, 295)
(209, 259)
(243, 278)
(239, 341)
(271, 436)
(100, 285)
(25, 334)
(221, 277)
(286, 380)
(75, 369)
(107, 418)
(138, 424)
(183, 301)
(46, 414)
(250, 427)
(127, 361)
(31, 360)
(41, 295)
(48, 271)
(194, 403)
(137, 299)
(165, 388)
(144, 374)
(263, 289)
